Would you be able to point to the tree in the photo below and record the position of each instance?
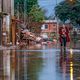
(23, 6)
(36, 16)
(19, 8)
(67, 10)
(30, 4)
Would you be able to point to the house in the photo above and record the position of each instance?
(49, 28)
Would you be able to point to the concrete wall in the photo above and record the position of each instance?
(7, 6)
(0, 5)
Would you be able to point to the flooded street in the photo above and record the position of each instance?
(39, 39)
(41, 64)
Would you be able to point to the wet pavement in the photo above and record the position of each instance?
(42, 63)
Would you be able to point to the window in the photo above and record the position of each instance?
(46, 26)
(54, 25)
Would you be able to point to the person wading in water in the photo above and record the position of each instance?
(64, 37)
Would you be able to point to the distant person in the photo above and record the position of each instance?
(64, 36)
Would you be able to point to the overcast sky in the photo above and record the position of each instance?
(49, 5)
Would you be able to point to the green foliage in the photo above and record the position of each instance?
(37, 14)
(28, 8)
(19, 8)
(33, 13)
(67, 10)
(21, 5)
(30, 4)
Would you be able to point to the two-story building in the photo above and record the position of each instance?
(49, 28)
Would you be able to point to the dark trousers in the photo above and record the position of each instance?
(63, 43)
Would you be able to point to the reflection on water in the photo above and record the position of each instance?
(39, 65)
(71, 65)
(1, 65)
(34, 66)
(6, 64)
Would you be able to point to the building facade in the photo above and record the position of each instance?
(6, 13)
(49, 28)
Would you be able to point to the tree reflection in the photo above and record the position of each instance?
(63, 65)
(1, 65)
(34, 65)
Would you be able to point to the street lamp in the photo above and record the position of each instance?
(24, 11)
(71, 1)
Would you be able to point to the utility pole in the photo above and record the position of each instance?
(2, 5)
(18, 10)
(24, 10)
(12, 8)
(1, 21)
(57, 29)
